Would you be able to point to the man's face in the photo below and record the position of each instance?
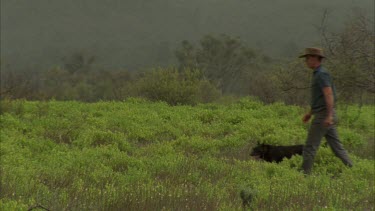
(312, 61)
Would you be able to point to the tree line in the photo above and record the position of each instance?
(217, 67)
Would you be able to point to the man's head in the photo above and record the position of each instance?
(313, 57)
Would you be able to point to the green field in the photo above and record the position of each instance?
(139, 155)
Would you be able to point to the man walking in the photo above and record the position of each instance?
(323, 95)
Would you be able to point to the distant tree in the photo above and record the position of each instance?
(79, 61)
(350, 58)
(186, 55)
(222, 59)
(18, 84)
(351, 54)
(292, 80)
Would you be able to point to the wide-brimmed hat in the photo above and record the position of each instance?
(313, 52)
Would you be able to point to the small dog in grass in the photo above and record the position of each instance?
(271, 153)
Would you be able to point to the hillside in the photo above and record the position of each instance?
(138, 155)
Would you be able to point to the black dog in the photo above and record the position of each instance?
(272, 153)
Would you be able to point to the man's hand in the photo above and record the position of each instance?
(328, 121)
(306, 117)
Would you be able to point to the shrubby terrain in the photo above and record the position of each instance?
(142, 155)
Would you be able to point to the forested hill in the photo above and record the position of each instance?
(133, 34)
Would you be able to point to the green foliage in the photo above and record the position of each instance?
(11, 205)
(146, 155)
(176, 87)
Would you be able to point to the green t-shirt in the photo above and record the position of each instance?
(320, 80)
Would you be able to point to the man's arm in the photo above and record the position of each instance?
(328, 96)
(326, 86)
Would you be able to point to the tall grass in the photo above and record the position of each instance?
(138, 155)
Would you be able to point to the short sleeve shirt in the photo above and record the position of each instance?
(320, 80)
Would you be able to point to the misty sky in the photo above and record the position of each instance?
(131, 34)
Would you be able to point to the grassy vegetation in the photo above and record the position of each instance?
(138, 155)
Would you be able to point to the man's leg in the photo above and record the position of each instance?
(315, 135)
(336, 146)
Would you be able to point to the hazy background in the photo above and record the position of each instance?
(144, 33)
